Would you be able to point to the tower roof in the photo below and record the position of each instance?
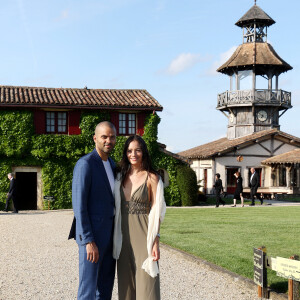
(260, 55)
(255, 13)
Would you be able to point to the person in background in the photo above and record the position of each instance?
(219, 189)
(11, 195)
(254, 183)
(238, 193)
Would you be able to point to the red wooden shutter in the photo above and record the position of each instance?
(114, 118)
(74, 121)
(40, 121)
(140, 123)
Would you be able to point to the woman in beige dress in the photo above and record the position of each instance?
(140, 207)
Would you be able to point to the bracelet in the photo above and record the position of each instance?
(158, 235)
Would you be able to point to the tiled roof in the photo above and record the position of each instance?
(224, 145)
(292, 157)
(20, 96)
(244, 58)
(257, 14)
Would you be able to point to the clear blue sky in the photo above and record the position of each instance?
(169, 47)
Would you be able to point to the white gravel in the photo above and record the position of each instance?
(38, 262)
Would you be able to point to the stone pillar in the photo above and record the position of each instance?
(270, 83)
(262, 177)
(237, 80)
(288, 176)
(276, 82)
(213, 172)
(246, 174)
(273, 176)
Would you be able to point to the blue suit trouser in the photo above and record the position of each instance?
(96, 280)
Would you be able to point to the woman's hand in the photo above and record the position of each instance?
(155, 249)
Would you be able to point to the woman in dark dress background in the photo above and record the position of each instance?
(238, 194)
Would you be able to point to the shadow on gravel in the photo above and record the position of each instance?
(21, 213)
(36, 212)
(280, 286)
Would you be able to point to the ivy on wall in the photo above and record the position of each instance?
(16, 130)
(57, 154)
(161, 160)
(57, 182)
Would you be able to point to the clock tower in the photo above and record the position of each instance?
(254, 102)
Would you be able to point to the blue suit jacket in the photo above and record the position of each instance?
(92, 197)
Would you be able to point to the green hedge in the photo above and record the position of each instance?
(187, 182)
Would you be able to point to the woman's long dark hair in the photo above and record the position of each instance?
(146, 160)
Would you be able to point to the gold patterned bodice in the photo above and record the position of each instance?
(139, 201)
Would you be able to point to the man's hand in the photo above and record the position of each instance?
(92, 252)
(155, 249)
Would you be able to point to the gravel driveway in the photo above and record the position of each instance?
(38, 262)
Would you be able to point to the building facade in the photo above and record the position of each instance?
(43, 132)
(253, 106)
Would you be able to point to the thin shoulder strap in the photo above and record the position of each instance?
(147, 176)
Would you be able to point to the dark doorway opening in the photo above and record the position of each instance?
(231, 180)
(26, 190)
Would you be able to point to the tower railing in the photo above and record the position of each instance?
(262, 96)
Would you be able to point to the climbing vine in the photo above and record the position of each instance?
(161, 160)
(57, 154)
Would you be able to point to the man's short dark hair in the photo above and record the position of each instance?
(218, 175)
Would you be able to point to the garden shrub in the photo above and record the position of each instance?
(187, 183)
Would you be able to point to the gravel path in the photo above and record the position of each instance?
(38, 262)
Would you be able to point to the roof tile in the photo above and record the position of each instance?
(292, 157)
(224, 145)
(58, 97)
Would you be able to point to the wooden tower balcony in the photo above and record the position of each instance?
(257, 97)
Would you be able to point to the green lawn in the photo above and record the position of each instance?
(227, 236)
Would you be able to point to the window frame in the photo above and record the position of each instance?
(126, 120)
(56, 124)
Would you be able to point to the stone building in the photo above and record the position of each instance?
(56, 114)
(253, 105)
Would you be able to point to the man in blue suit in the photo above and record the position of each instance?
(93, 205)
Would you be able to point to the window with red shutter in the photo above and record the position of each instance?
(56, 122)
(127, 124)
